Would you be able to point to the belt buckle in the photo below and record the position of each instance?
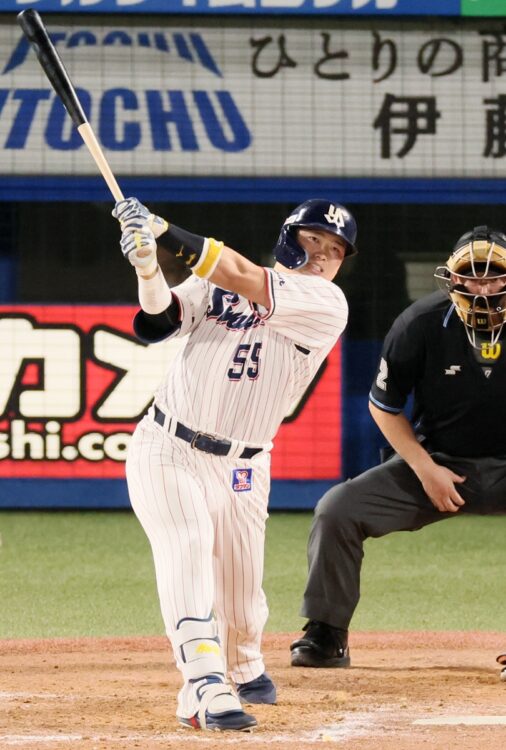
(196, 437)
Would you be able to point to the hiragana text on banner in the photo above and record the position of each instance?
(347, 99)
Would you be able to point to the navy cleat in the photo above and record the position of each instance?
(219, 709)
(238, 721)
(260, 690)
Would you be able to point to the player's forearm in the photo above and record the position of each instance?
(154, 293)
(210, 259)
(397, 429)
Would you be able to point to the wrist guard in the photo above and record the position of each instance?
(200, 254)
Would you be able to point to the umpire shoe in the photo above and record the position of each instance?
(321, 646)
(260, 690)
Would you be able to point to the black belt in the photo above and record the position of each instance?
(203, 442)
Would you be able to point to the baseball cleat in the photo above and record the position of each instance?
(260, 690)
(238, 721)
(219, 709)
(322, 646)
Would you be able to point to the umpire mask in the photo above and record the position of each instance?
(474, 277)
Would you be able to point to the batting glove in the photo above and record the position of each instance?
(139, 247)
(131, 214)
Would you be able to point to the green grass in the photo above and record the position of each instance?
(72, 574)
(448, 576)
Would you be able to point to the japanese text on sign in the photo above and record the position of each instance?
(382, 99)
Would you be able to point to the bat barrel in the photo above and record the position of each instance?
(35, 32)
(53, 67)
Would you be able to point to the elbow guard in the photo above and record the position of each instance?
(151, 328)
(200, 254)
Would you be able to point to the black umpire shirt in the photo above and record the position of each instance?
(459, 393)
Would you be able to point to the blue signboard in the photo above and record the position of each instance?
(252, 7)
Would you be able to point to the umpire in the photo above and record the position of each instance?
(450, 458)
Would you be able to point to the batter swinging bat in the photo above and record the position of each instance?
(37, 35)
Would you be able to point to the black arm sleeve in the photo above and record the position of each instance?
(184, 245)
(153, 328)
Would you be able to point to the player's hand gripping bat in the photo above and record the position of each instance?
(53, 67)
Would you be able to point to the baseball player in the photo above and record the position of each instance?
(198, 466)
(447, 350)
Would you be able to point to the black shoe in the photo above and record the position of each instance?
(322, 646)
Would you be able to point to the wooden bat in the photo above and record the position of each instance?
(53, 67)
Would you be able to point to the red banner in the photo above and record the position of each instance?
(74, 381)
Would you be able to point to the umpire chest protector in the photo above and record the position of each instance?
(459, 403)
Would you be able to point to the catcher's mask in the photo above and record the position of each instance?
(314, 214)
(475, 279)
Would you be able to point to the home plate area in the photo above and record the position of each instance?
(404, 691)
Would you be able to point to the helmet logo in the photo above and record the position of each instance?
(489, 351)
(336, 215)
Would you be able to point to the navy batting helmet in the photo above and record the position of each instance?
(314, 214)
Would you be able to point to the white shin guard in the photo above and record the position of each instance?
(197, 646)
(202, 664)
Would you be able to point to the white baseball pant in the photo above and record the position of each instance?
(207, 540)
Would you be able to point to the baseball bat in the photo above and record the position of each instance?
(52, 65)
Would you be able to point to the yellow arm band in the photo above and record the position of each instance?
(209, 259)
(200, 254)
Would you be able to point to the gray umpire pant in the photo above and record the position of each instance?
(387, 498)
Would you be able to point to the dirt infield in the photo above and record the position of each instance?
(96, 694)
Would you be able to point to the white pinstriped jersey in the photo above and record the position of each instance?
(243, 367)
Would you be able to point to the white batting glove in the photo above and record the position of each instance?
(131, 214)
(139, 247)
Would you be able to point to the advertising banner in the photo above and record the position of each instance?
(74, 381)
(239, 98)
(257, 7)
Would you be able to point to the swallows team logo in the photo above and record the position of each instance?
(222, 307)
(336, 215)
(242, 480)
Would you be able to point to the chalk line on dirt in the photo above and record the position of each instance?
(352, 725)
(468, 720)
(358, 724)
